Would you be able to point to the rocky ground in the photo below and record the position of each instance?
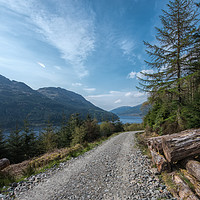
(115, 170)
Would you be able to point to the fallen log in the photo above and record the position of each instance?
(193, 181)
(181, 145)
(4, 162)
(184, 191)
(193, 167)
(155, 143)
(159, 161)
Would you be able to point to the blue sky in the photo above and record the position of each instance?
(92, 47)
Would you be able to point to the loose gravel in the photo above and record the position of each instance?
(115, 170)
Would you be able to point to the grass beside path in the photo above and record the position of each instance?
(19, 172)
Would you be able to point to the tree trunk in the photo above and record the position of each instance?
(183, 189)
(4, 162)
(160, 161)
(193, 167)
(181, 145)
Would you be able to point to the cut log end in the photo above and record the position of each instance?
(4, 162)
(159, 161)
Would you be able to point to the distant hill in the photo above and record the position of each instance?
(19, 102)
(130, 111)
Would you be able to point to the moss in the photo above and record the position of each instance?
(186, 180)
(167, 179)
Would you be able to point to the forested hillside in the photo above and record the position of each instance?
(139, 110)
(20, 102)
(174, 85)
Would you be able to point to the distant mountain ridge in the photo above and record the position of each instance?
(18, 102)
(130, 111)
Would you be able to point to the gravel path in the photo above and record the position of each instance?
(115, 170)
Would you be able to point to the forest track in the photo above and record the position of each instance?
(114, 170)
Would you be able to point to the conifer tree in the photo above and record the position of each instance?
(2, 145)
(29, 141)
(171, 59)
(64, 135)
(47, 139)
(91, 129)
(15, 146)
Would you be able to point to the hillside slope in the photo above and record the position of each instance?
(128, 111)
(20, 102)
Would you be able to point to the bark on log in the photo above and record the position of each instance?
(193, 167)
(159, 161)
(183, 189)
(181, 145)
(155, 143)
(193, 181)
(4, 162)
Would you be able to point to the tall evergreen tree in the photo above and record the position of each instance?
(64, 134)
(47, 139)
(171, 59)
(29, 141)
(92, 129)
(15, 146)
(2, 145)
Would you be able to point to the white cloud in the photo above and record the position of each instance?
(89, 89)
(128, 94)
(118, 101)
(41, 64)
(71, 30)
(132, 75)
(109, 100)
(77, 84)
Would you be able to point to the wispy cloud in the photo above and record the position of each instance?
(41, 64)
(89, 89)
(70, 28)
(58, 67)
(115, 99)
(127, 46)
(132, 74)
(77, 84)
(118, 101)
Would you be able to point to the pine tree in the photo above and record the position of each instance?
(64, 135)
(15, 146)
(2, 145)
(47, 139)
(92, 129)
(29, 141)
(171, 59)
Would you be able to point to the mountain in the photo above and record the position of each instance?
(75, 103)
(19, 102)
(131, 111)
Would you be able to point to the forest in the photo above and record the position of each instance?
(23, 143)
(174, 85)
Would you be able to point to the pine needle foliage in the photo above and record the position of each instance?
(175, 61)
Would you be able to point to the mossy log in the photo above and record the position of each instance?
(4, 162)
(184, 191)
(159, 161)
(193, 181)
(181, 145)
(193, 167)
